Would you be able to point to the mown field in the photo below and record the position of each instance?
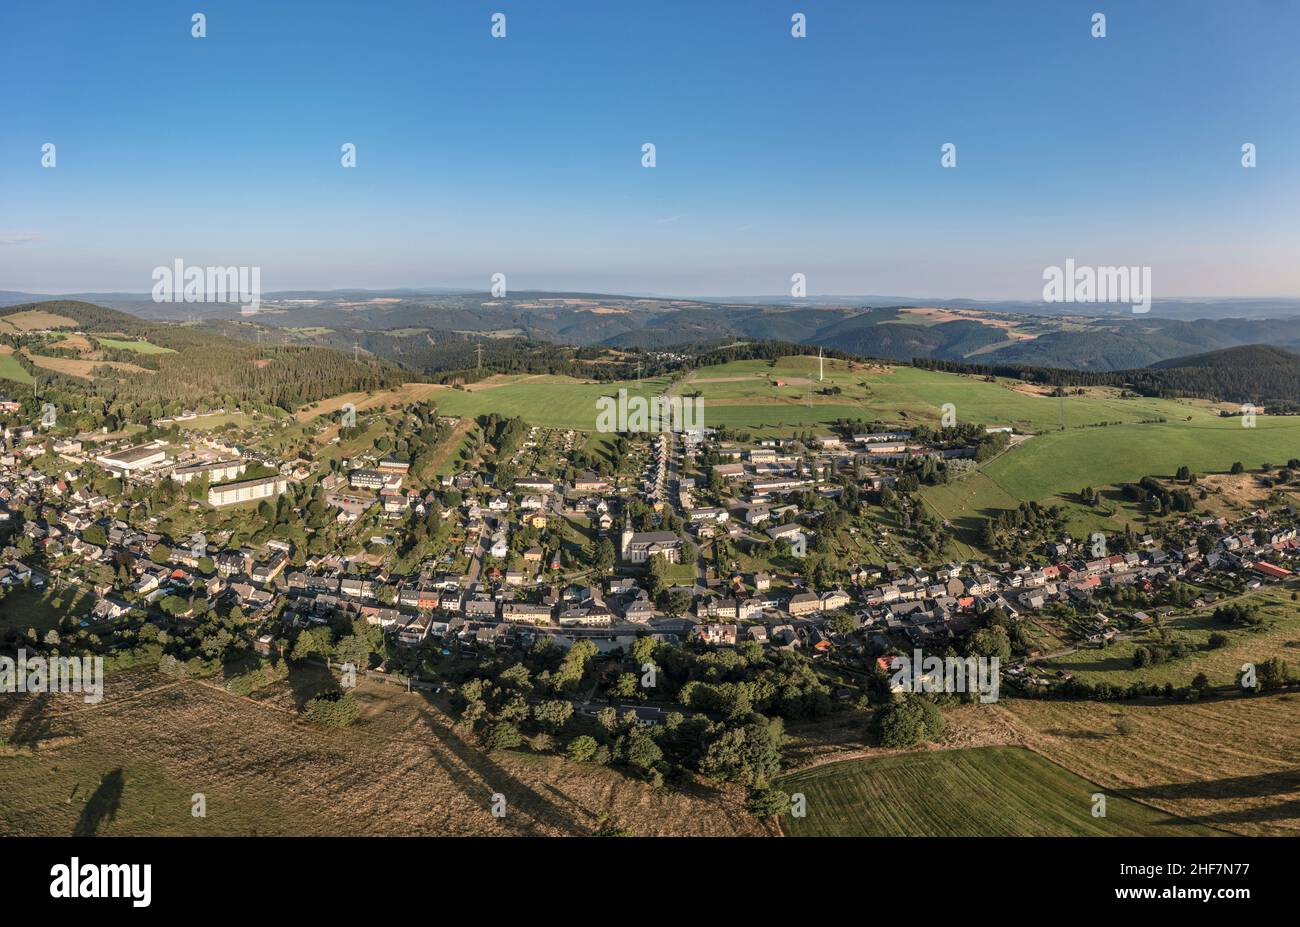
(35, 319)
(79, 367)
(980, 791)
(130, 766)
(1229, 763)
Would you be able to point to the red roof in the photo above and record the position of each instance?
(1269, 570)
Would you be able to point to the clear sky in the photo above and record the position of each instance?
(775, 155)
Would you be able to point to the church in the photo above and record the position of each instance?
(640, 546)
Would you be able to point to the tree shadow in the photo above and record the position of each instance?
(1116, 664)
(1284, 811)
(1234, 787)
(1237, 787)
(9, 703)
(494, 779)
(1077, 735)
(102, 806)
(308, 679)
(33, 724)
(244, 663)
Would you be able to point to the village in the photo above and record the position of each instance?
(667, 529)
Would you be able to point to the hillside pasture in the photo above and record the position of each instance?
(35, 320)
(80, 368)
(10, 369)
(974, 792)
(139, 347)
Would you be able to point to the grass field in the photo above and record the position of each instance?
(83, 369)
(902, 394)
(139, 347)
(41, 609)
(10, 369)
(35, 319)
(1067, 461)
(1107, 439)
(552, 402)
(982, 791)
(1230, 763)
(220, 420)
(1280, 638)
(129, 766)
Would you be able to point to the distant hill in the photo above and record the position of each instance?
(1246, 356)
(159, 364)
(1258, 373)
(87, 316)
(434, 332)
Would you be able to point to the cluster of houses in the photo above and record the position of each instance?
(200, 456)
(925, 605)
(513, 588)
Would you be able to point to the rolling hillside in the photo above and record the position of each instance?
(80, 347)
(402, 326)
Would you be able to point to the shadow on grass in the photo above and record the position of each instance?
(308, 679)
(1235, 787)
(33, 724)
(102, 806)
(491, 778)
(1077, 735)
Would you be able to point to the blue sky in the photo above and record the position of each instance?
(776, 155)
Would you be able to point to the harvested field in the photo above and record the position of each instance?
(1232, 764)
(79, 368)
(132, 764)
(34, 320)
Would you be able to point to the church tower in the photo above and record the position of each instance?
(626, 539)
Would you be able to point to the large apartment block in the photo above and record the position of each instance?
(247, 490)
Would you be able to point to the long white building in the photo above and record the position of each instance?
(247, 490)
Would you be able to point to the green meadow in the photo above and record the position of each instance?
(978, 792)
(1106, 439)
(10, 369)
(139, 347)
(549, 401)
(1070, 460)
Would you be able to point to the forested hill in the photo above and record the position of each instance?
(1253, 373)
(1257, 373)
(81, 346)
(88, 316)
(1250, 355)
